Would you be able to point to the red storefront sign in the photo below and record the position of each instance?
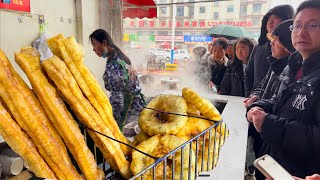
(15, 5)
(186, 24)
(141, 23)
(151, 23)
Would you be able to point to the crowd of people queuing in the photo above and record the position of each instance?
(280, 80)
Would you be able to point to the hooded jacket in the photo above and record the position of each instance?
(291, 130)
(258, 65)
(282, 11)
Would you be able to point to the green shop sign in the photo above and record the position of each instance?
(135, 38)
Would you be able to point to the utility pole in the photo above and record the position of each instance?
(173, 13)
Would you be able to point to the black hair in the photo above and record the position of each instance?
(314, 4)
(101, 35)
(220, 42)
(246, 41)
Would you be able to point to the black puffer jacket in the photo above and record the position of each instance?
(258, 65)
(233, 80)
(271, 82)
(217, 71)
(291, 130)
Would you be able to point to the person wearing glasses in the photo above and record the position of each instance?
(289, 123)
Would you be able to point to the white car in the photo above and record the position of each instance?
(161, 54)
(181, 55)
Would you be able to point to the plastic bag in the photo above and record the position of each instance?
(41, 45)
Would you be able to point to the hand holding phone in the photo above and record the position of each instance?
(271, 168)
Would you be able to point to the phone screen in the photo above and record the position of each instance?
(275, 170)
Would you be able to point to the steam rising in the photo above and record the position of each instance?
(195, 73)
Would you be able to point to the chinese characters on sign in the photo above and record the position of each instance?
(181, 24)
(169, 38)
(188, 38)
(15, 5)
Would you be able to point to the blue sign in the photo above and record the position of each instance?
(188, 38)
(6, 1)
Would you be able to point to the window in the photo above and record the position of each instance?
(180, 11)
(256, 21)
(193, 33)
(163, 33)
(230, 9)
(191, 11)
(216, 4)
(202, 9)
(163, 1)
(178, 33)
(257, 7)
(163, 10)
(243, 10)
(216, 15)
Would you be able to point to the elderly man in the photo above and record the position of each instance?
(290, 126)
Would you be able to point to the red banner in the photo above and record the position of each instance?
(15, 5)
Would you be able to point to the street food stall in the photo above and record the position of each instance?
(51, 109)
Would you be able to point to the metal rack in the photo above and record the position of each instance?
(199, 142)
(210, 136)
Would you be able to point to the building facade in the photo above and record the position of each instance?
(192, 19)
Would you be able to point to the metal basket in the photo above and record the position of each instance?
(206, 146)
(199, 141)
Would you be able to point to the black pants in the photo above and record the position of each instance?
(257, 145)
(257, 140)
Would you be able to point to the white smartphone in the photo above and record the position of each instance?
(271, 168)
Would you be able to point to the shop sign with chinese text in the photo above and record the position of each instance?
(157, 23)
(188, 38)
(169, 38)
(15, 5)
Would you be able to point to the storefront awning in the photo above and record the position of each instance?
(139, 9)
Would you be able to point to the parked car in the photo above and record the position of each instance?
(161, 54)
(181, 55)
